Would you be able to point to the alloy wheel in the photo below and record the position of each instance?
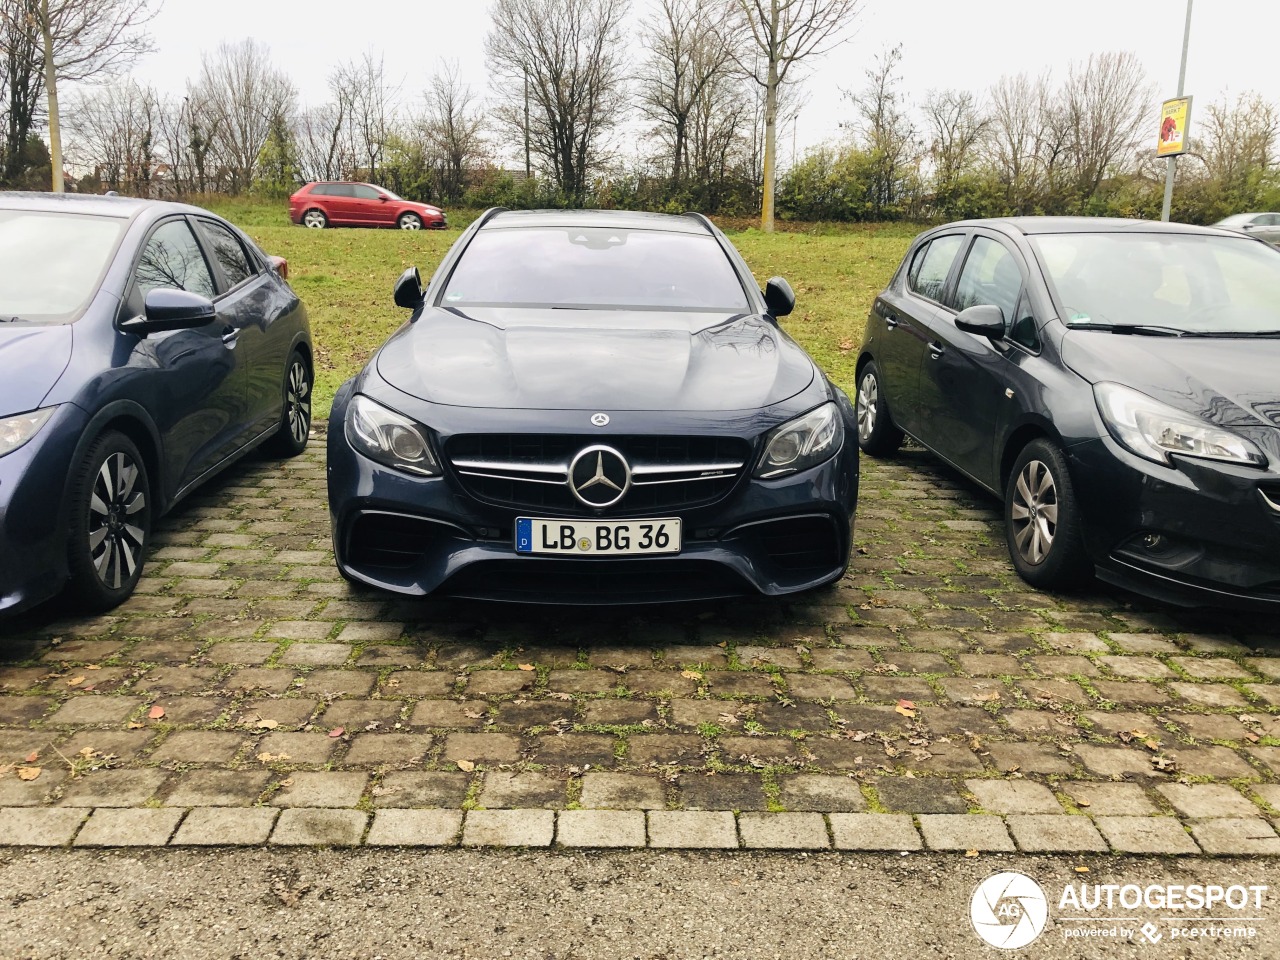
(314, 219)
(868, 397)
(117, 526)
(1034, 512)
(298, 401)
(410, 222)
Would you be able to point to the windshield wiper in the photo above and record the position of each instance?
(1131, 329)
(1232, 334)
(4, 319)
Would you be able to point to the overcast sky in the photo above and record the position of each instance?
(1235, 44)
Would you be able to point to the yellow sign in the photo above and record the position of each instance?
(1175, 118)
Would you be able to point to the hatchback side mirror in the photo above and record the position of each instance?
(779, 297)
(983, 319)
(168, 308)
(408, 290)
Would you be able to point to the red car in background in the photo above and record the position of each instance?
(342, 204)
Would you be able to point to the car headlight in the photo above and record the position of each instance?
(801, 443)
(16, 431)
(389, 438)
(1155, 430)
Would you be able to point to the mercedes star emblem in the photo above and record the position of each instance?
(600, 419)
(599, 477)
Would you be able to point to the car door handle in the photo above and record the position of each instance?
(230, 335)
(936, 350)
(890, 321)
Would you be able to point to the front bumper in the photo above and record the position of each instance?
(33, 541)
(420, 536)
(1198, 534)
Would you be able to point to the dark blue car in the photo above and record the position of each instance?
(143, 347)
(592, 407)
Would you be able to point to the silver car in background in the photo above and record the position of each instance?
(1264, 226)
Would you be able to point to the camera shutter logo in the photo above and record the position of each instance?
(1009, 910)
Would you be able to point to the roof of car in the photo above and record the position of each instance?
(617, 219)
(90, 204)
(1032, 226)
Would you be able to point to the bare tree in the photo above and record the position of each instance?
(570, 55)
(453, 127)
(1238, 139)
(1106, 102)
(784, 33)
(244, 95)
(691, 60)
(366, 107)
(115, 131)
(21, 84)
(887, 132)
(1014, 133)
(957, 125)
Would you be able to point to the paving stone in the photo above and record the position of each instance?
(128, 828)
(370, 749)
(95, 709)
(1141, 668)
(224, 827)
(841, 659)
(1132, 693)
(1211, 668)
(260, 679)
(121, 744)
(377, 632)
(1246, 836)
(600, 828)
(338, 683)
(449, 714)
(728, 683)
(723, 791)
(15, 792)
(321, 789)
(392, 655)
(1117, 762)
(575, 750)
(1014, 797)
(414, 828)
(522, 789)
(508, 828)
(943, 831)
(823, 794)
(319, 828)
(1029, 758)
(1211, 695)
(113, 788)
(301, 630)
(874, 831)
(648, 749)
(418, 683)
(362, 714)
(783, 831)
(533, 713)
(1211, 726)
(488, 683)
(1205, 800)
(1220, 762)
(200, 746)
(284, 713)
(24, 827)
(486, 748)
(1157, 835)
(218, 788)
(421, 789)
(622, 791)
(1110, 799)
(1055, 834)
(1063, 666)
(316, 654)
(296, 748)
(634, 713)
(693, 830)
(920, 795)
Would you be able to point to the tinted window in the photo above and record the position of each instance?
(991, 276)
(932, 265)
(363, 192)
(595, 266)
(172, 258)
(1184, 281)
(322, 190)
(228, 252)
(51, 263)
(1023, 329)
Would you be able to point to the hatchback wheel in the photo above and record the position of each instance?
(290, 439)
(409, 221)
(110, 522)
(315, 219)
(1042, 519)
(876, 433)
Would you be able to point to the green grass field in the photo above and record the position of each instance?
(345, 279)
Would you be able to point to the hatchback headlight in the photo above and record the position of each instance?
(389, 438)
(16, 431)
(801, 443)
(1155, 430)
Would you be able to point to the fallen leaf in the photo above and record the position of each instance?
(971, 853)
(527, 666)
(75, 681)
(29, 773)
(336, 732)
(905, 707)
(1083, 803)
(135, 725)
(272, 758)
(33, 756)
(267, 724)
(156, 712)
(1152, 745)
(1082, 869)
(466, 766)
(94, 666)
(691, 674)
(474, 714)
(1165, 764)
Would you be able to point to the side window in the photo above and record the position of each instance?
(990, 275)
(228, 252)
(1270, 220)
(341, 190)
(172, 258)
(363, 192)
(321, 190)
(928, 274)
(1023, 330)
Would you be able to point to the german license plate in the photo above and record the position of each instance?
(597, 537)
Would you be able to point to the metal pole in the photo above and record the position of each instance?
(1182, 79)
(528, 168)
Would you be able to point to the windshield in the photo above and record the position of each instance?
(595, 267)
(1199, 285)
(51, 263)
(387, 192)
(1236, 219)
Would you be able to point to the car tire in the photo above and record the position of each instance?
(409, 221)
(110, 512)
(290, 438)
(877, 435)
(315, 219)
(1042, 520)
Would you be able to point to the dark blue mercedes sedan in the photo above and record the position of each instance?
(143, 347)
(592, 407)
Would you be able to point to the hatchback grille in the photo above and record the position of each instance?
(530, 471)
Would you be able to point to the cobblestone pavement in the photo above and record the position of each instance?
(247, 695)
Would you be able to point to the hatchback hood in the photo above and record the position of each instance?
(1194, 374)
(543, 359)
(31, 361)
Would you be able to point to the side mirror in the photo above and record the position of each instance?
(779, 297)
(983, 319)
(168, 308)
(408, 291)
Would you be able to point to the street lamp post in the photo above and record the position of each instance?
(1182, 79)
